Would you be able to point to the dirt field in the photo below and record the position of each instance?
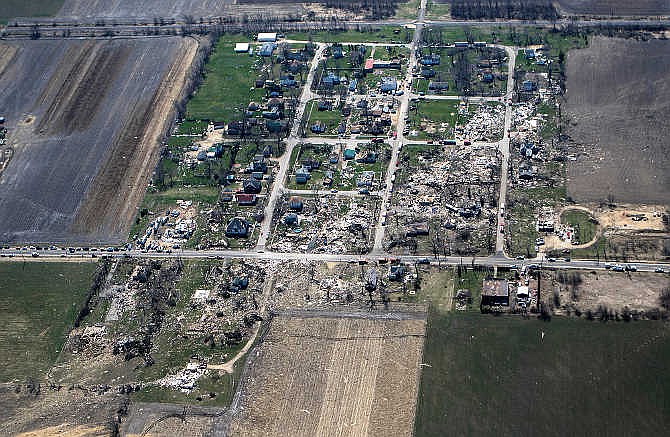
(321, 376)
(161, 8)
(615, 7)
(84, 118)
(614, 290)
(618, 95)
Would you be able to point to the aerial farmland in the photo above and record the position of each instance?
(353, 218)
(85, 118)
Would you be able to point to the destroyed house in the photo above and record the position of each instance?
(352, 85)
(295, 203)
(525, 172)
(529, 53)
(324, 105)
(238, 127)
(291, 219)
(495, 292)
(272, 114)
(276, 103)
(237, 228)
(416, 229)
(528, 86)
(274, 126)
(311, 164)
(427, 73)
(369, 158)
(487, 77)
(288, 83)
(295, 55)
(342, 127)
(396, 273)
(438, 86)
(330, 80)
(257, 166)
(337, 52)
(388, 84)
(318, 127)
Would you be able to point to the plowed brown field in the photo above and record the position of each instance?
(84, 118)
(332, 377)
(618, 98)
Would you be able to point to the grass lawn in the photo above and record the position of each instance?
(488, 375)
(521, 216)
(23, 8)
(409, 9)
(584, 224)
(225, 91)
(434, 111)
(38, 304)
(437, 10)
(330, 118)
(438, 286)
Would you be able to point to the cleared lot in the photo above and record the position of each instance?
(84, 119)
(618, 98)
(615, 7)
(320, 376)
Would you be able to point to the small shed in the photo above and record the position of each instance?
(267, 37)
(242, 47)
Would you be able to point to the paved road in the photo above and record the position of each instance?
(503, 147)
(400, 126)
(293, 139)
(490, 261)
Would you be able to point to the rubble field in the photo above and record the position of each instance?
(355, 376)
(324, 223)
(445, 199)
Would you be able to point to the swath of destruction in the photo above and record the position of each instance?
(356, 218)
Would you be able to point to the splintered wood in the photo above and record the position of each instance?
(344, 376)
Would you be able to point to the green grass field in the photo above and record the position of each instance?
(28, 8)
(330, 118)
(226, 89)
(38, 305)
(495, 376)
(585, 225)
